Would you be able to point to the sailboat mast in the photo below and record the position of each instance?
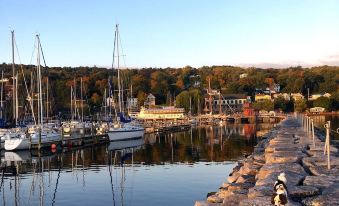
(14, 76)
(75, 99)
(47, 102)
(16, 99)
(72, 103)
(82, 101)
(2, 90)
(32, 97)
(40, 84)
(105, 103)
(118, 65)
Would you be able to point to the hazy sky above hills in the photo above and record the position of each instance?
(175, 33)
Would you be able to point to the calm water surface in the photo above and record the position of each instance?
(172, 169)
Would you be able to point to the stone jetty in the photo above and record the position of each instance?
(286, 148)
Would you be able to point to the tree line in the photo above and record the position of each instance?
(168, 83)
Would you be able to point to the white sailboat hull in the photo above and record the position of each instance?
(125, 133)
(23, 143)
(16, 144)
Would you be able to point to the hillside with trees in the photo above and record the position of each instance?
(167, 83)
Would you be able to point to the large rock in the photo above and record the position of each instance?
(215, 199)
(302, 191)
(279, 148)
(260, 191)
(322, 170)
(233, 178)
(322, 200)
(238, 186)
(259, 157)
(283, 157)
(293, 179)
(320, 160)
(246, 178)
(278, 168)
(234, 200)
(259, 201)
(321, 182)
(249, 169)
(332, 189)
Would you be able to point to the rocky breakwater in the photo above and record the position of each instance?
(287, 148)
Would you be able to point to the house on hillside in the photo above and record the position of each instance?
(297, 96)
(316, 96)
(262, 97)
(150, 101)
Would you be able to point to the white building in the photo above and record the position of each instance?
(161, 113)
(316, 96)
(244, 75)
(132, 102)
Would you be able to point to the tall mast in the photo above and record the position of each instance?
(32, 97)
(16, 99)
(118, 65)
(2, 90)
(82, 101)
(40, 84)
(47, 102)
(72, 103)
(14, 82)
(75, 99)
(105, 103)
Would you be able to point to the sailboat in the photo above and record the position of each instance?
(123, 128)
(77, 127)
(38, 132)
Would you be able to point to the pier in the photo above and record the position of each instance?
(240, 118)
(310, 164)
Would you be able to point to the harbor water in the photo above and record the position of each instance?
(166, 169)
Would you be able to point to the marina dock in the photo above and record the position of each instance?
(311, 168)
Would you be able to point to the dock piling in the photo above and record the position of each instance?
(312, 126)
(327, 144)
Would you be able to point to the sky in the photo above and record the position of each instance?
(174, 33)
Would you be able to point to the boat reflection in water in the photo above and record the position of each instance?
(152, 170)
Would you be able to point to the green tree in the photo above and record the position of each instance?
(183, 100)
(267, 105)
(280, 103)
(323, 102)
(300, 105)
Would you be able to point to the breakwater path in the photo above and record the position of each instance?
(290, 149)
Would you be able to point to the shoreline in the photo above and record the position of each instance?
(285, 148)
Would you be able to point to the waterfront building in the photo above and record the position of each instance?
(317, 109)
(226, 104)
(161, 113)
